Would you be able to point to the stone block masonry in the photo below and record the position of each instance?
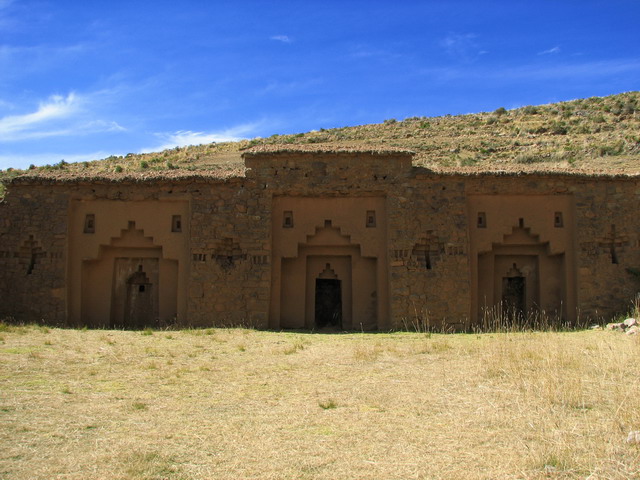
(310, 237)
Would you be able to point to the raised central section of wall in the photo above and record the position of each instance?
(325, 170)
(329, 234)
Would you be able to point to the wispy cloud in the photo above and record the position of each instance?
(281, 38)
(57, 116)
(287, 88)
(57, 107)
(550, 51)
(367, 52)
(462, 46)
(584, 71)
(31, 52)
(184, 138)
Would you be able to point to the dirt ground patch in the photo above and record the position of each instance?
(235, 403)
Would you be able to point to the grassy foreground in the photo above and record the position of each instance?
(232, 403)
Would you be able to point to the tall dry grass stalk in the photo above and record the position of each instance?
(635, 311)
(194, 405)
(499, 318)
(503, 318)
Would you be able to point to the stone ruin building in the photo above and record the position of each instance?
(312, 238)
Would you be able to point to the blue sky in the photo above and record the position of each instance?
(82, 80)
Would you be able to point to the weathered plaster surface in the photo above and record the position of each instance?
(398, 243)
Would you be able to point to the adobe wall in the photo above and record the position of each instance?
(234, 259)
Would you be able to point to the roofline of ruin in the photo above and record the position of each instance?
(215, 177)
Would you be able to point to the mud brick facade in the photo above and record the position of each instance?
(352, 239)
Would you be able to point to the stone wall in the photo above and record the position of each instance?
(422, 254)
(33, 254)
(428, 249)
(607, 244)
(230, 254)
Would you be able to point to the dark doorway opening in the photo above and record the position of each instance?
(513, 297)
(138, 310)
(328, 303)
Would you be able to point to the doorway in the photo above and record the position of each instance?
(513, 297)
(139, 307)
(328, 309)
(135, 297)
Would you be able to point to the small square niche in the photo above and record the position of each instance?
(558, 222)
(176, 223)
(371, 219)
(482, 220)
(89, 223)
(287, 219)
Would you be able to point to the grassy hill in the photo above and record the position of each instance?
(593, 134)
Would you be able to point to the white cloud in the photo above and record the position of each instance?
(56, 117)
(281, 38)
(550, 51)
(15, 127)
(184, 138)
(103, 126)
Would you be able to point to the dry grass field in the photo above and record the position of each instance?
(235, 403)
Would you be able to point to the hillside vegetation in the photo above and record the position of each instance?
(598, 134)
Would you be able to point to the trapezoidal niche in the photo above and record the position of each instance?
(520, 280)
(130, 284)
(318, 286)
